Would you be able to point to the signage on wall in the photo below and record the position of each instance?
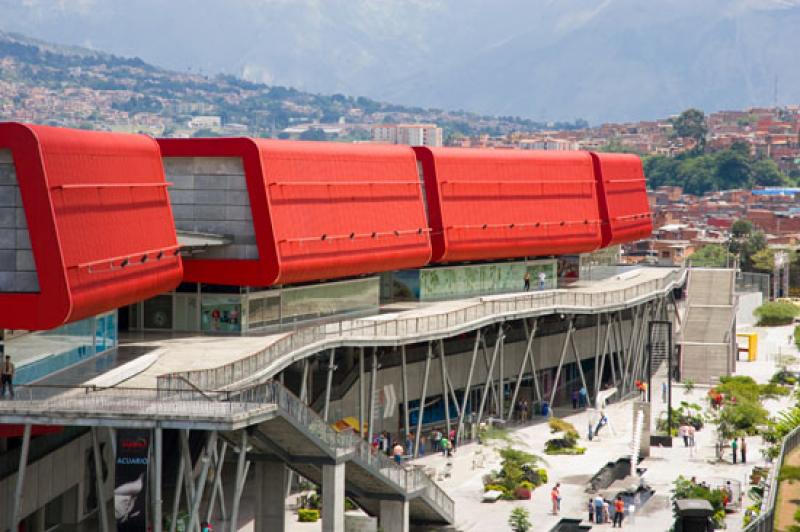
(130, 492)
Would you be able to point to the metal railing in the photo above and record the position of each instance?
(309, 340)
(765, 521)
(192, 404)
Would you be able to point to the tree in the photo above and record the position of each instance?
(518, 520)
(733, 169)
(711, 256)
(767, 174)
(691, 124)
(764, 260)
(741, 228)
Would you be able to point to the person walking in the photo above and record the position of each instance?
(555, 498)
(542, 280)
(734, 446)
(743, 450)
(683, 433)
(598, 509)
(590, 508)
(527, 281)
(574, 399)
(7, 378)
(436, 438)
(619, 512)
(691, 432)
(422, 442)
(606, 512)
(444, 445)
(582, 395)
(664, 392)
(397, 452)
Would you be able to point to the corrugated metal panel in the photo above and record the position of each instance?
(320, 210)
(490, 204)
(99, 220)
(623, 198)
(342, 209)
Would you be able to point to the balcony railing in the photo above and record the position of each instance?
(309, 340)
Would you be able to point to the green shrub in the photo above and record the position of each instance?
(305, 515)
(555, 451)
(686, 489)
(772, 390)
(527, 485)
(559, 425)
(776, 313)
(494, 487)
(542, 474)
(518, 520)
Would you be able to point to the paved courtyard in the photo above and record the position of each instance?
(573, 472)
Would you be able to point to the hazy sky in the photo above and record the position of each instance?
(545, 59)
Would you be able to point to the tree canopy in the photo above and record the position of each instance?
(691, 124)
(710, 256)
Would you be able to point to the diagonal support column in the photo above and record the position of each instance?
(194, 513)
(16, 508)
(219, 462)
(578, 361)
(328, 385)
(488, 383)
(188, 470)
(521, 372)
(445, 397)
(361, 402)
(373, 379)
(601, 369)
(421, 410)
(241, 478)
(561, 361)
(98, 475)
(158, 465)
(468, 386)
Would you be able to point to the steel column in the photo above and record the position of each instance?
(489, 374)
(561, 362)
(602, 367)
(468, 387)
(219, 462)
(328, 385)
(158, 445)
(241, 477)
(445, 397)
(406, 428)
(188, 470)
(373, 378)
(176, 499)
(490, 371)
(361, 403)
(533, 364)
(98, 474)
(421, 410)
(194, 513)
(521, 371)
(16, 508)
(578, 362)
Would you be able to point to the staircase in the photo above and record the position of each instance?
(707, 339)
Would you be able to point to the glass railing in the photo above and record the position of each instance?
(316, 338)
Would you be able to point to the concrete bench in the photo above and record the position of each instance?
(491, 496)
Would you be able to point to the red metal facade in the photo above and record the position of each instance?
(320, 210)
(623, 198)
(99, 221)
(490, 204)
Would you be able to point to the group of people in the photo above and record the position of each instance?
(522, 409)
(526, 280)
(600, 511)
(579, 398)
(444, 443)
(687, 433)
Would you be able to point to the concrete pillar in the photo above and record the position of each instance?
(393, 516)
(333, 498)
(271, 482)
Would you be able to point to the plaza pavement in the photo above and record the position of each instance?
(573, 472)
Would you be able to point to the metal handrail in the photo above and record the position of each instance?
(765, 521)
(249, 370)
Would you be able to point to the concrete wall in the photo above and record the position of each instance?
(748, 302)
(17, 269)
(209, 195)
(61, 471)
(547, 351)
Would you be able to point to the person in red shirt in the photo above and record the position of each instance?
(555, 497)
(619, 512)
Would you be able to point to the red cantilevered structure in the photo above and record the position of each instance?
(623, 198)
(492, 204)
(87, 220)
(317, 210)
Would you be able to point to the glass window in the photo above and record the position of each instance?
(221, 313)
(315, 301)
(263, 311)
(158, 312)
